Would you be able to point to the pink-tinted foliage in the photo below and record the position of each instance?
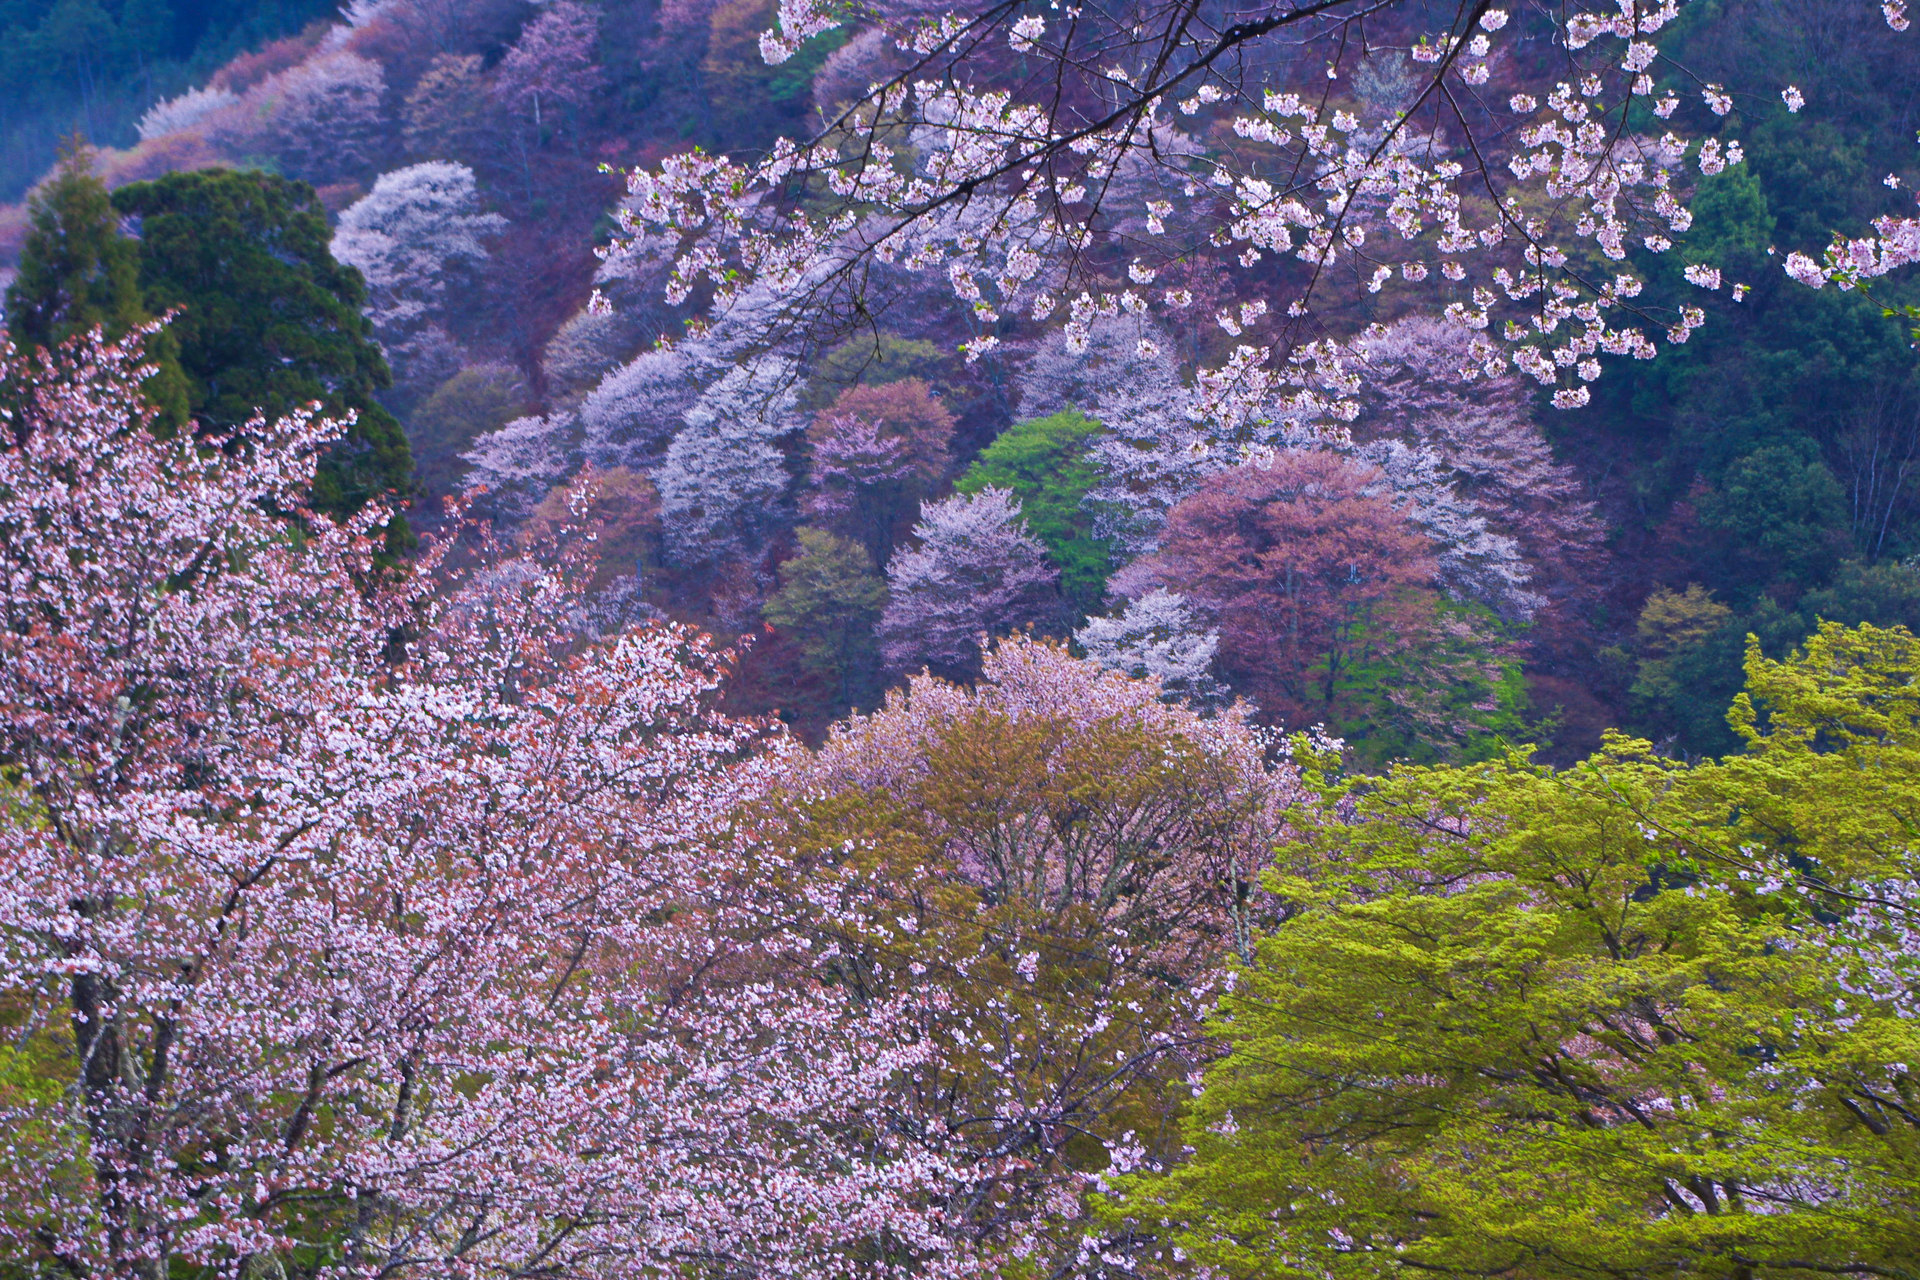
(321, 119)
(552, 62)
(876, 452)
(372, 958)
(1424, 388)
(1315, 580)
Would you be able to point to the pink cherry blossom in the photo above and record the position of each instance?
(1012, 189)
(388, 913)
(1704, 276)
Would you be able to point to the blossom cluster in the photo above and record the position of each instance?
(1009, 192)
(392, 916)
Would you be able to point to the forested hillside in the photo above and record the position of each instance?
(1593, 567)
(79, 66)
(745, 639)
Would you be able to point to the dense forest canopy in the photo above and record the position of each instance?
(747, 639)
(1601, 565)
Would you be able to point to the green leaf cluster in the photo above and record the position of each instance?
(1630, 1018)
(267, 320)
(77, 272)
(1459, 694)
(1687, 676)
(829, 600)
(1044, 461)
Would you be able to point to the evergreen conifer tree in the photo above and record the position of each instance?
(268, 321)
(77, 271)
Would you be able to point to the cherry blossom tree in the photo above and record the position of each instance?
(1158, 636)
(1424, 388)
(407, 35)
(865, 59)
(1473, 561)
(1069, 862)
(1062, 163)
(321, 119)
(629, 417)
(590, 344)
(374, 926)
(184, 111)
(1162, 441)
(1125, 370)
(1154, 450)
(723, 485)
(552, 63)
(520, 462)
(406, 234)
(631, 414)
(975, 575)
(1303, 567)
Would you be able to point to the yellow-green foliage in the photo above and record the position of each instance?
(36, 1067)
(36, 1070)
(1624, 1019)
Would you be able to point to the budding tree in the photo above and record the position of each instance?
(1324, 594)
(1069, 863)
(829, 600)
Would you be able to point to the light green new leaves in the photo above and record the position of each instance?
(1624, 1019)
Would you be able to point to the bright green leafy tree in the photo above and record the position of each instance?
(1044, 461)
(1626, 1019)
(1694, 680)
(268, 320)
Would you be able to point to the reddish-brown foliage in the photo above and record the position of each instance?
(876, 452)
(1306, 573)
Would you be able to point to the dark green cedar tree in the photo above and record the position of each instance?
(77, 272)
(268, 320)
